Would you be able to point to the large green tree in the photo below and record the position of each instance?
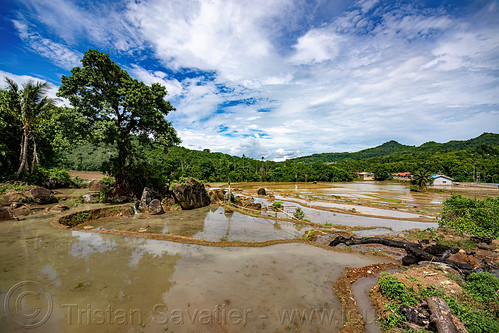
(29, 106)
(120, 110)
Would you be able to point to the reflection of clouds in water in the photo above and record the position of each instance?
(142, 246)
(49, 272)
(90, 243)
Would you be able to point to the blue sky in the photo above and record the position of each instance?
(281, 78)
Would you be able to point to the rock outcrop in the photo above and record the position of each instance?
(22, 210)
(59, 208)
(216, 195)
(42, 195)
(5, 214)
(261, 191)
(155, 207)
(10, 197)
(150, 202)
(191, 194)
(96, 185)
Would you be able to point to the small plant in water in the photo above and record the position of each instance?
(299, 214)
(277, 204)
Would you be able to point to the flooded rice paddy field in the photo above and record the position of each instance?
(103, 282)
(371, 198)
(81, 281)
(211, 223)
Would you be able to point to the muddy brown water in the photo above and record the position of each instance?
(100, 282)
(55, 280)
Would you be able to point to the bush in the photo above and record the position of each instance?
(391, 287)
(414, 188)
(79, 182)
(50, 178)
(13, 185)
(478, 217)
(483, 286)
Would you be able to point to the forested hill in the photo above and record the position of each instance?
(475, 159)
(391, 147)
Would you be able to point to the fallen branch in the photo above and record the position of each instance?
(413, 249)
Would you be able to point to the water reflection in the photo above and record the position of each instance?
(210, 223)
(101, 282)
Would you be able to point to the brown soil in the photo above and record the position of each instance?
(417, 277)
(89, 175)
(343, 288)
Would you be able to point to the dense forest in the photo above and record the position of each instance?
(471, 160)
(118, 125)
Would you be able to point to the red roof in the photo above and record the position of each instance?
(403, 174)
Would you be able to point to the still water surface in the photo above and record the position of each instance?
(101, 282)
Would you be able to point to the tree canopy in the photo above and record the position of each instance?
(120, 110)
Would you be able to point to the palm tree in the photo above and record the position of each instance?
(421, 179)
(29, 105)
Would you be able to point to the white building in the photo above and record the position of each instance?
(441, 180)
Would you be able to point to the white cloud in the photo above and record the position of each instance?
(173, 86)
(102, 23)
(57, 53)
(22, 79)
(376, 72)
(226, 36)
(316, 45)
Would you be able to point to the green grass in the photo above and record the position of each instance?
(475, 312)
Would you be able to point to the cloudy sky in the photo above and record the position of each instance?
(281, 78)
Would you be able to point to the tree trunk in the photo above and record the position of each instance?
(413, 249)
(441, 315)
(35, 161)
(23, 168)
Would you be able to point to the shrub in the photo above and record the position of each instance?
(483, 286)
(476, 319)
(478, 217)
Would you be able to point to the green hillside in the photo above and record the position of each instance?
(468, 160)
(393, 147)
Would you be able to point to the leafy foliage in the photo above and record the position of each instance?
(299, 214)
(478, 217)
(120, 111)
(27, 107)
(466, 161)
(476, 318)
(393, 288)
(483, 286)
(277, 204)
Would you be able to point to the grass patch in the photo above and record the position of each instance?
(13, 185)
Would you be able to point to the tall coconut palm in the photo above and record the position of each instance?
(29, 105)
(421, 178)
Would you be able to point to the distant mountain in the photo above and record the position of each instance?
(393, 147)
